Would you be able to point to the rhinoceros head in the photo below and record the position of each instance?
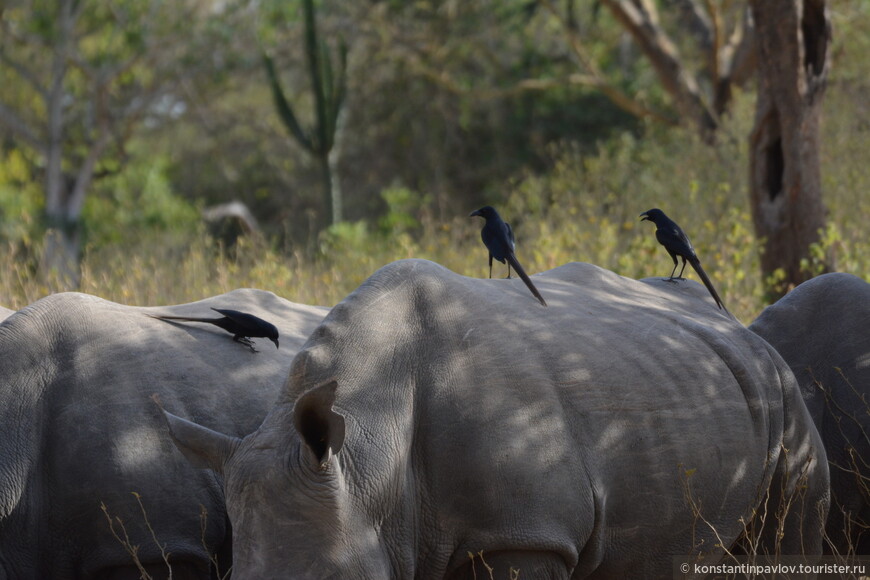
(317, 531)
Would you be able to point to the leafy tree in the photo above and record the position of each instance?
(88, 73)
(697, 50)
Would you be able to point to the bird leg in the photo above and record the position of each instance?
(509, 271)
(246, 341)
(671, 277)
(490, 266)
(683, 269)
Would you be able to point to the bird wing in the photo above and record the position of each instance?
(685, 239)
(255, 325)
(229, 313)
(240, 318)
(674, 239)
(510, 236)
(496, 241)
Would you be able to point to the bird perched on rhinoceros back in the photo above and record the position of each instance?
(568, 453)
(241, 325)
(498, 237)
(677, 243)
(78, 430)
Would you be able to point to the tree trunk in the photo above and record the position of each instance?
(62, 252)
(793, 38)
(60, 260)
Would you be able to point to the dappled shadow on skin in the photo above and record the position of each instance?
(87, 368)
(470, 407)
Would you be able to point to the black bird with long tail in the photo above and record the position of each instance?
(241, 325)
(498, 238)
(677, 243)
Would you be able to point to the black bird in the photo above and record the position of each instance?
(513, 242)
(498, 237)
(677, 243)
(241, 325)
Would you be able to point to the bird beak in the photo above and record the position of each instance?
(474, 213)
(643, 216)
(275, 340)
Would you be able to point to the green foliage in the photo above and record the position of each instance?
(20, 199)
(403, 207)
(851, 24)
(345, 237)
(135, 204)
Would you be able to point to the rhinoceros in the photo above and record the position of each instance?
(78, 429)
(5, 313)
(433, 420)
(821, 330)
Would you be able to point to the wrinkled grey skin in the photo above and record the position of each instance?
(5, 313)
(822, 330)
(78, 427)
(432, 415)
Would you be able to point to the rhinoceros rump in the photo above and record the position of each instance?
(78, 428)
(821, 330)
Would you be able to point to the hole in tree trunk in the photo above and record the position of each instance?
(815, 33)
(775, 164)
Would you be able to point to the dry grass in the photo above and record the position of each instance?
(119, 530)
(585, 209)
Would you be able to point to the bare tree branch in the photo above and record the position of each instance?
(84, 177)
(648, 8)
(679, 82)
(713, 54)
(736, 63)
(738, 56)
(697, 22)
(418, 59)
(14, 123)
(22, 72)
(443, 79)
(22, 38)
(598, 80)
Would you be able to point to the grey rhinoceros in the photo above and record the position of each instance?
(821, 330)
(432, 417)
(78, 428)
(5, 313)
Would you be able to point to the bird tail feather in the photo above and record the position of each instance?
(185, 318)
(696, 264)
(512, 260)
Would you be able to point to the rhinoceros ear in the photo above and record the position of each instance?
(201, 446)
(321, 428)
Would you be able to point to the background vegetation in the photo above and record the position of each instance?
(438, 123)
